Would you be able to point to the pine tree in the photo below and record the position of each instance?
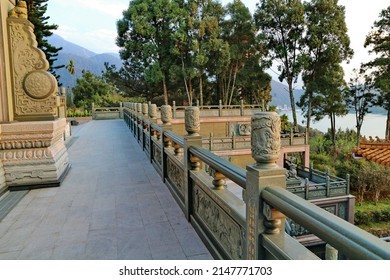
(42, 30)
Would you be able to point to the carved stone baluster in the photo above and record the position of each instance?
(195, 163)
(219, 181)
(167, 142)
(178, 149)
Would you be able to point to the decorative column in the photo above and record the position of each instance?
(152, 132)
(32, 150)
(166, 118)
(144, 124)
(191, 163)
(261, 218)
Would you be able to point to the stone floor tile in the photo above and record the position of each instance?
(101, 245)
(190, 242)
(9, 255)
(69, 251)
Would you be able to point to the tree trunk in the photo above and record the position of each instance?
(333, 129)
(165, 91)
(292, 100)
(387, 133)
(201, 90)
(308, 117)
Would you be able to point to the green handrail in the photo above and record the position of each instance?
(352, 241)
(234, 173)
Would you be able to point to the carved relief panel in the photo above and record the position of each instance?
(34, 89)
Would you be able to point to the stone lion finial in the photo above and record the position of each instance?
(20, 10)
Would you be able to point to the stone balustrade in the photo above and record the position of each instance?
(251, 227)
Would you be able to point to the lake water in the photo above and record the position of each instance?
(373, 125)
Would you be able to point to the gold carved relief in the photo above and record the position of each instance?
(34, 89)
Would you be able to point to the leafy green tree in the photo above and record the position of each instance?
(326, 43)
(330, 100)
(198, 42)
(70, 67)
(253, 83)
(282, 24)
(378, 40)
(239, 31)
(36, 15)
(145, 38)
(360, 97)
(90, 89)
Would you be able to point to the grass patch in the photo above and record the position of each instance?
(368, 206)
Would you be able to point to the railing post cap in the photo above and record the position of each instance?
(265, 137)
(192, 120)
(166, 114)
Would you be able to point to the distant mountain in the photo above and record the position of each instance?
(83, 59)
(280, 95)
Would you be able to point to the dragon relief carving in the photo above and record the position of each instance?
(192, 120)
(229, 234)
(157, 154)
(265, 137)
(175, 174)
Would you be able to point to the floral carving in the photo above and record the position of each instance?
(265, 137)
(34, 93)
(39, 84)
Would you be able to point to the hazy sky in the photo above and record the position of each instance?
(92, 24)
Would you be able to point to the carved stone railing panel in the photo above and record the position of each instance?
(157, 156)
(175, 175)
(226, 232)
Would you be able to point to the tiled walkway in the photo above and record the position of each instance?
(112, 205)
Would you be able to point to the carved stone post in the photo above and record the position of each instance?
(191, 163)
(144, 124)
(152, 131)
(192, 121)
(166, 118)
(145, 109)
(331, 253)
(261, 218)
